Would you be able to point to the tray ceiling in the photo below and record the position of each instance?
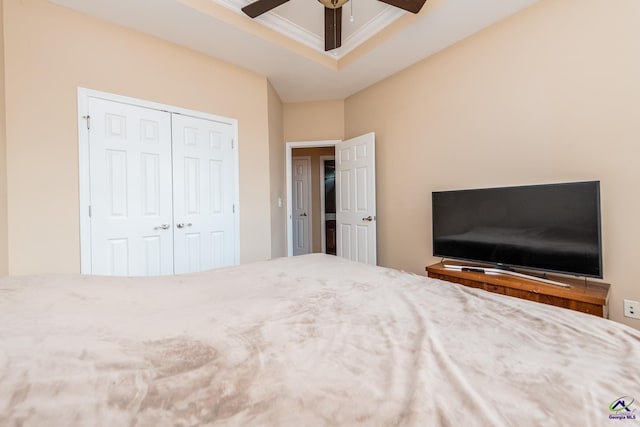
(286, 44)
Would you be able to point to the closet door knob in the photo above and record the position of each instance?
(162, 227)
(183, 225)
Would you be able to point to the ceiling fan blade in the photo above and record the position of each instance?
(332, 28)
(259, 7)
(412, 6)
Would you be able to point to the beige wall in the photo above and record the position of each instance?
(277, 175)
(4, 255)
(316, 223)
(548, 95)
(49, 52)
(314, 121)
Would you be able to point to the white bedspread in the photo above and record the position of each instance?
(304, 341)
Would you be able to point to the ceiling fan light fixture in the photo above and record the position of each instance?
(332, 15)
(333, 4)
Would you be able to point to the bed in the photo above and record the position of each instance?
(304, 341)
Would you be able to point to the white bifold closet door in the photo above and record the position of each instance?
(203, 194)
(162, 190)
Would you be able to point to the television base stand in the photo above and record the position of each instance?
(586, 296)
(491, 270)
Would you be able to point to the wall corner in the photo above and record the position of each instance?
(4, 221)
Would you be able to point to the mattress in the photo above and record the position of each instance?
(304, 341)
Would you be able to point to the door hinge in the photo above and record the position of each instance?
(88, 119)
(233, 143)
(233, 207)
(89, 211)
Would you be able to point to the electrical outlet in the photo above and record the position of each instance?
(632, 309)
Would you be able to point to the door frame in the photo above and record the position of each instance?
(288, 158)
(83, 161)
(323, 219)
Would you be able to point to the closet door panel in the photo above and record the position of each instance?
(130, 187)
(203, 186)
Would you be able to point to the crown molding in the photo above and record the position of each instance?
(383, 19)
(300, 34)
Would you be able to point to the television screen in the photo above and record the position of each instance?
(552, 227)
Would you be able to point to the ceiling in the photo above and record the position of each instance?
(286, 44)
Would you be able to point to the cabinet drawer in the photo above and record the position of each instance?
(496, 289)
(587, 297)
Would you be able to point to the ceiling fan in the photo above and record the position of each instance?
(332, 15)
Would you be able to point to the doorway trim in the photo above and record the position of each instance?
(83, 162)
(289, 157)
(323, 219)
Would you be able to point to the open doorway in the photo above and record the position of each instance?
(355, 196)
(315, 150)
(308, 200)
(328, 204)
(301, 202)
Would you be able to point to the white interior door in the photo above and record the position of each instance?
(203, 187)
(301, 202)
(130, 189)
(356, 199)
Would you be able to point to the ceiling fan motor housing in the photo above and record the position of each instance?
(333, 4)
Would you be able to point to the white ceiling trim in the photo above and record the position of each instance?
(312, 40)
(368, 30)
(291, 30)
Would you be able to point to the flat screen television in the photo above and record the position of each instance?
(552, 227)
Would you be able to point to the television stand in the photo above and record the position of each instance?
(585, 296)
(490, 270)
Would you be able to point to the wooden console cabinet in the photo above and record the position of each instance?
(585, 296)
